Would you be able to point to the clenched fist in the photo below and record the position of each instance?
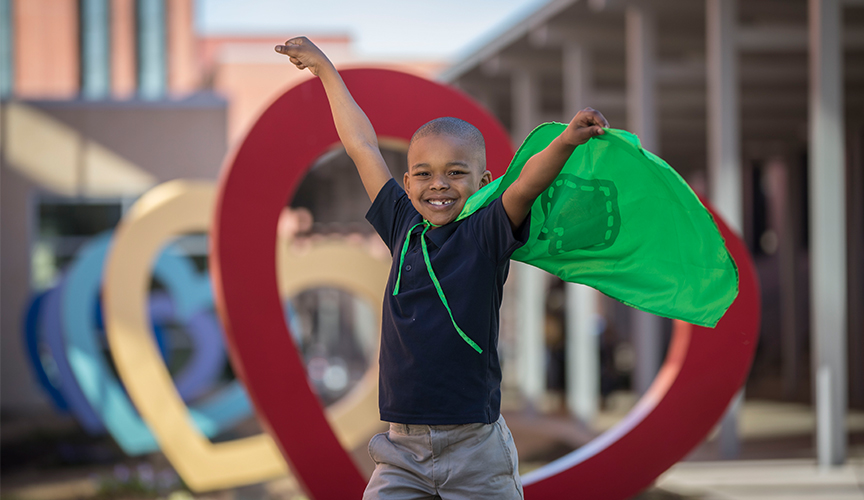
(304, 54)
(585, 125)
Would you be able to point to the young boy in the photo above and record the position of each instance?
(439, 371)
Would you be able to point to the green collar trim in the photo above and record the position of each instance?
(427, 226)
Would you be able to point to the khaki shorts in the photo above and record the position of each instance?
(471, 461)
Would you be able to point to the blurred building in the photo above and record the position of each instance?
(759, 105)
(246, 71)
(101, 100)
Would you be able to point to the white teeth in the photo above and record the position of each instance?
(441, 203)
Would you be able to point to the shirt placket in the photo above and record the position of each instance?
(413, 263)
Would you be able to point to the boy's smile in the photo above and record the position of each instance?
(443, 172)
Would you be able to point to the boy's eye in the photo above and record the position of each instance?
(458, 172)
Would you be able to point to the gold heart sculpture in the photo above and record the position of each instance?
(172, 209)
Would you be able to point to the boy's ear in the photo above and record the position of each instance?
(406, 179)
(486, 178)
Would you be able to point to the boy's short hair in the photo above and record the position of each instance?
(455, 127)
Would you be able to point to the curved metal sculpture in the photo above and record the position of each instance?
(51, 333)
(32, 319)
(181, 206)
(98, 383)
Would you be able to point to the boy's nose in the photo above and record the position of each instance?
(440, 182)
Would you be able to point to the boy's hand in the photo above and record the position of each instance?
(542, 168)
(303, 54)
(354, 129)
(585, 125)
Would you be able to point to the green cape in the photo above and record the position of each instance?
(619, 219)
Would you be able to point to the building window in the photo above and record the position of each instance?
(64, 226)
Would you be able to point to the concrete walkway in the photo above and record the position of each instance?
(765, 480)
(775, 461)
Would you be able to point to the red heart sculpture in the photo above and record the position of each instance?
(255, 185)
(702, 372)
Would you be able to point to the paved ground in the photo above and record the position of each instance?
(52, 460)
(795, 479)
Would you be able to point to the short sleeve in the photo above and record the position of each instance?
(495, 236)
(389, 213)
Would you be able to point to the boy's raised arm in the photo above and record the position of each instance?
(542, 168)
(355, 130)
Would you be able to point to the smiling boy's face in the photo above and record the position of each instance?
(443, 172)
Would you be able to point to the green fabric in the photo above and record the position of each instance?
(619, 219)
(428, 225)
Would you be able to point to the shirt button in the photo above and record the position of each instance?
(408, 267)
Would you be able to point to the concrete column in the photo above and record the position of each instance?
(577, 74)
(152, 62)
(530, 323)
(582, 361)
(583, 352)
(640, 26)
(641, 80)
(530, 282)
(123, 52)
(95, 50)
(827, 229)
(525, 103)
(724, 150)
(724, 143)
(647, 342)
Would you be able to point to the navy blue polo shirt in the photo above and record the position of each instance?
(428, 373)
